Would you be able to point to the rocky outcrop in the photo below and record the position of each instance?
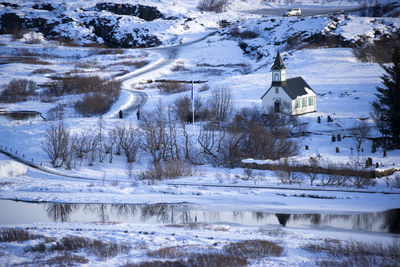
(11, 23)
(108, 30)
(43, 6)
(146, 13)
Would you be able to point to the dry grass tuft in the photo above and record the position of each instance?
(254, 249)
(356, 253)
(99, 248)
(16, 235)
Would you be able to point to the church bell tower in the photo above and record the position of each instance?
(278, 70)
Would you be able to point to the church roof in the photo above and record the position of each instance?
(294, 87)
(278, 63)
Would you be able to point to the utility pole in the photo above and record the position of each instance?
(193, 104)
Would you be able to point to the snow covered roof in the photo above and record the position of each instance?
(278, 64)
(294, 87)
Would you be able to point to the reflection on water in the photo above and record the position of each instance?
(60, 212)
(388, 221)
(13, 212)
(6, 117)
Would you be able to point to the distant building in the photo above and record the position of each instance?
(288, 94)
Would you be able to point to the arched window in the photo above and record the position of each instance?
(276, 77)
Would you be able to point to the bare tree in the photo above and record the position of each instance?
(220, 104)
(130, 142)
(81, 146)
(93, 145)
(359, 133)
(56, 143)
(100, 136)
(160, 133)
(312, 175)
(287, 175)
(182, 109)
(110, 143)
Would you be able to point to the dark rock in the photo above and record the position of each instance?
(43, 6)
(6, 4)
(106, 29)
(11, 23)
(144, 12)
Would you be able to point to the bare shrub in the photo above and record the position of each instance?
(89, 84)
(56, 112)
(179, 66)
(244, 68)
(216, 260)
(393, 181)
(357, 253)
(254, 249)
(287, 175)
(361, 182)
(217, 6)
(100, 94)
(16, 235)
(138, 64)
(204, 88)
(188, 258)
(101, 249)
(172, 87)
(168, 252)
(168, 169)
(17, 90)
(42, 71)
(66, 260)
(41, 248)
(157, 263)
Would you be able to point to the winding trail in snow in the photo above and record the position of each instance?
(168, 56)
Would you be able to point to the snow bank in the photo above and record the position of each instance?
(9, 168)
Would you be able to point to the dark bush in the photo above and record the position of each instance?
(248, 34)
(17, 90)
(172, 87)
(100, 94)
(168, 169)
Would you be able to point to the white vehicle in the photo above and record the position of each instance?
(293, 12)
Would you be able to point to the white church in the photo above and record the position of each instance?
(294, 93)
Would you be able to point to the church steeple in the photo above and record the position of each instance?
(278, 69)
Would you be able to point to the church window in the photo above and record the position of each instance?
(276, 77)
(276, 90)
(297, 105)
(304, 102)
(310, 101)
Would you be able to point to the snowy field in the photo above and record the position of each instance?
(197, 49)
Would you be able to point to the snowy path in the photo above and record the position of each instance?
(168, 56)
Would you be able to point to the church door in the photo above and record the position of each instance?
(277, 106)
